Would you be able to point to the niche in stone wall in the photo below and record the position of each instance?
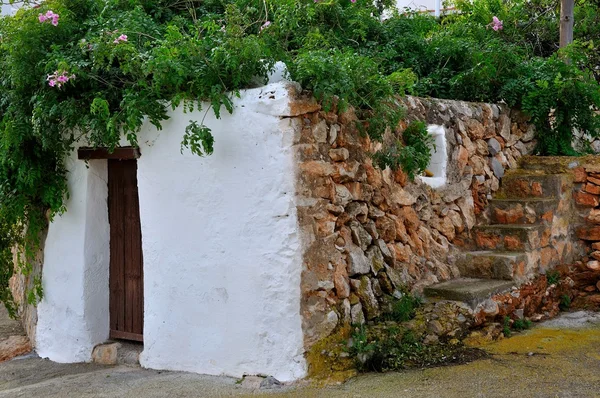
(439, 159)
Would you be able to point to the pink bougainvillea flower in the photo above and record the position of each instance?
(57, 79)
(265, 25)
(496, 24)
(120, 39)
(50, 16)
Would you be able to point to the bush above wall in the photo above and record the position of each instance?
(96, 70)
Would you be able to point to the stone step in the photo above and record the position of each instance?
(471, 291)
(496, 265)
(550, 164)
(522, 211)
(511, 237)
(117, 353)
(519, 184)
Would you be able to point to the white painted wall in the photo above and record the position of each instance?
(73, 315)
(221, 250)
(222, 258)
(438, 165)
(8, 9)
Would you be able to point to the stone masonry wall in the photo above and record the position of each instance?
(20, 285)
(369, 234)
(587, 197)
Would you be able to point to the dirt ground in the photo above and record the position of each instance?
(558, 359)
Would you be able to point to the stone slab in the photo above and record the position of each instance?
(469, 290)
(492, 265)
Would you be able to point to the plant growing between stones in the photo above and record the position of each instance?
(403, 309)
(506, 327)
(518, 325)
(553, 277)
(521, 324)
(412, 153)
(565, 302)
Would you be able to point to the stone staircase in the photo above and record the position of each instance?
(524, 232)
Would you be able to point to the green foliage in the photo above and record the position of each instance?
(198, 139)
(200, 54)
(552, 87)
(506, 327)
(404, 308)
(565, 302)
(521, 324)
(412, 154)
(394, 347)
(553, 277)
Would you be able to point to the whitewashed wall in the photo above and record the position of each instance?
(8, 9)
(73, 315)
(221, 251)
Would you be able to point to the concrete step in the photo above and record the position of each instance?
(511, 237)
(471, 291)
(496, 265)
(520, 184)
(522, 211)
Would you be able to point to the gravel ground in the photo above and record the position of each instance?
(560, 358)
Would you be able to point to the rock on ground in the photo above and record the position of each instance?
(13, 341)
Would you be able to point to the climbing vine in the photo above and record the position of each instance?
(97, 70)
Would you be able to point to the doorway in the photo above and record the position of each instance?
(126, 276)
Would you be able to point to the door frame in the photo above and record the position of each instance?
(119, 153)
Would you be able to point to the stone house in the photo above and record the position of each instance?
(237, 263)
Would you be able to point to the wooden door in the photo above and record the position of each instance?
(126, 263)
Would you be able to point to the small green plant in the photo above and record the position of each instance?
(521, 324)
(553, 277)
(506, 327)
(383, 348)
(411, 154)
(565, 302)
(404, 309)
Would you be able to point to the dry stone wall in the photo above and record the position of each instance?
(369, 234)
(20, 285)
(587, 198)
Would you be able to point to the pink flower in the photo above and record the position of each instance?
(496, 24)
(352, 1)
(120, 39)
(265, 25)
(49, 16)
(58, 79)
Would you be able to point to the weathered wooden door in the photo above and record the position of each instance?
(126, 262)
